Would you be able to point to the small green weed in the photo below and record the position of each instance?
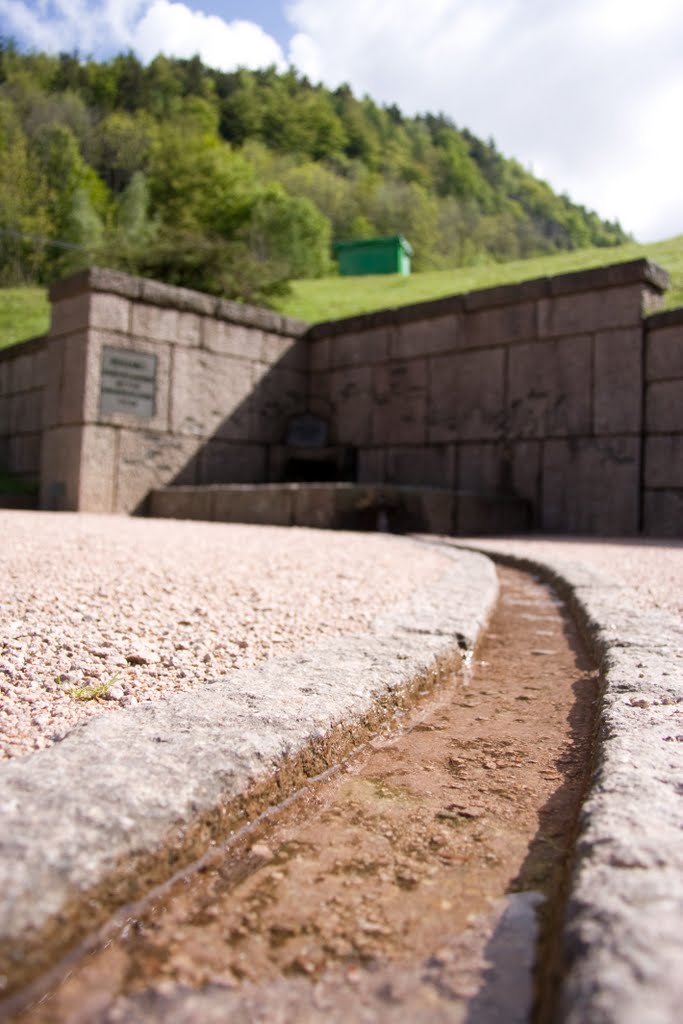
(91, 691)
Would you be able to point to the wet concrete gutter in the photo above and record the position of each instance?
(623, 942)
(125, 800)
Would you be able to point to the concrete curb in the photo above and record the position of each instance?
(127, 799)
(623, 943)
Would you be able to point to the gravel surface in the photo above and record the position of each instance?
(651, 569)
(102, 612)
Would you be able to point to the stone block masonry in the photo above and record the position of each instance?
(538, 389)
(151, 384)
(23, 377)
(566, 392)
(663, 431)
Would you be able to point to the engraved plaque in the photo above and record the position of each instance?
(128, 383)
(307, 431)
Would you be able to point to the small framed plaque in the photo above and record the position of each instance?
(307, 431)
(128, 383)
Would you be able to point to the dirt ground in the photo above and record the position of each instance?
(383, 884)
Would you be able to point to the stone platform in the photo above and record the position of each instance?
(346, 506)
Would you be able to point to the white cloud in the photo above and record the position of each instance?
(588, 93)
(176, 30)
(148, 27)
(118, 19)
(28, 25)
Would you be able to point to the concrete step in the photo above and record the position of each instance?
(346, 506)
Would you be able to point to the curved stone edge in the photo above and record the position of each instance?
(623, 940)
(85, 816)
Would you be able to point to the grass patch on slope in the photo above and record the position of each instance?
(332, 298)
(25, 312)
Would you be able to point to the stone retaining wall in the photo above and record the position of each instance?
(533, 388)
(663, 454)
(22, 386)
(565, 392)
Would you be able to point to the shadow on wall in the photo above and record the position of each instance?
(266, 462)
(231, 420)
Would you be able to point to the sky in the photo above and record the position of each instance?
(587, 94)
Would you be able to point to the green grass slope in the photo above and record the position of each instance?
(331, 298)
(25, 312)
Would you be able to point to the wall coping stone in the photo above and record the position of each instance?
(619, 274)
(115, 282)
(669, 318)
(99, 279)
(24, 348)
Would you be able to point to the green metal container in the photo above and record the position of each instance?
(389, 255)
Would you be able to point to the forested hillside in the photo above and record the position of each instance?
(237, 182)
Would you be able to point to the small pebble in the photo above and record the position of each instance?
(262, 852)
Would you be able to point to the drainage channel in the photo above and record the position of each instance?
(421, 881)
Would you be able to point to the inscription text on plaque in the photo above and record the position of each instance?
(128, 383)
